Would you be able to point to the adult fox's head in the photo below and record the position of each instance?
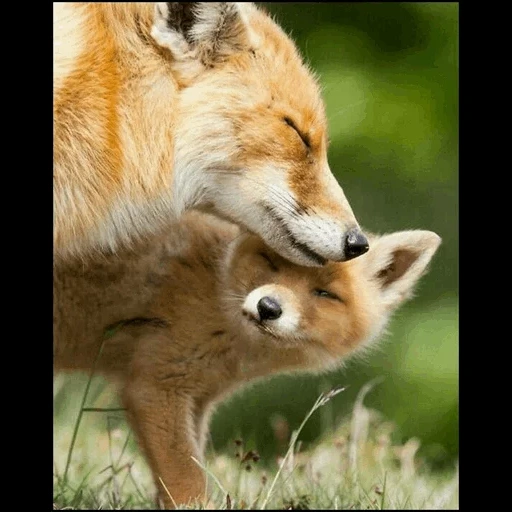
(251, 134)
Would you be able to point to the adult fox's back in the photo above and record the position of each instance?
(160, 108)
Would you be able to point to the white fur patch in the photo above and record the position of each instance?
(192, 184)
(246, 9)
(127, 218)
(209, 14)
(68, 39)
(166, 37)
(288, 322)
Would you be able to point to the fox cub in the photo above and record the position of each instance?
(206, 308)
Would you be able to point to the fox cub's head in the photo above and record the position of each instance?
(325, 312)
(251, 141)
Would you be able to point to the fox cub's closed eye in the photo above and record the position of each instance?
(266, 257)
(327, 295)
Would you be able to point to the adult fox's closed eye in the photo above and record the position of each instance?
(162, 108)
(203, 309)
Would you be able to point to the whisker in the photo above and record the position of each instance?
(288, 203)
(234, 298)
(282, 200)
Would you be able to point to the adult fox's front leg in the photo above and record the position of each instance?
(162, 418)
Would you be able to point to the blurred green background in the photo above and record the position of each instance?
(390, 77)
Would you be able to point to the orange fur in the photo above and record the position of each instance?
(188, 332)
(151, 120)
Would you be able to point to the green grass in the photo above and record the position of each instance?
(355, 466)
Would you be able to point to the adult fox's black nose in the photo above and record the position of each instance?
(268, 308)
(356, 244)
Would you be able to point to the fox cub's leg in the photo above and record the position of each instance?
(161, 411)
(163, 422)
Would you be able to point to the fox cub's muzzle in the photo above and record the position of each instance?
(269, 308)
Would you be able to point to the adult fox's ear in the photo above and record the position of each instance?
(200, 33)
(397, 261)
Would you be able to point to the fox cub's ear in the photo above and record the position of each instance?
(397, 261)
(204, 32)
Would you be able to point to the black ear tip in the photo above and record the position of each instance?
(180, 16)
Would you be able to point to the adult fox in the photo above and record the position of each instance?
(161, 108)
(203, 309)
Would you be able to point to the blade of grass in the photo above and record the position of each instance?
(321, 400)
(132, 478)
(101, 409)
(124, 448)
(168, 493)
(383, 497)
(80, 413)
(354, 424)
(209, 473)
(129, 466)
(367, 497)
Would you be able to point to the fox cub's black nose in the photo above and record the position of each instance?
(355, 244)
(268, 308)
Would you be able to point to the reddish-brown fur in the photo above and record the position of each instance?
(200, 340)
